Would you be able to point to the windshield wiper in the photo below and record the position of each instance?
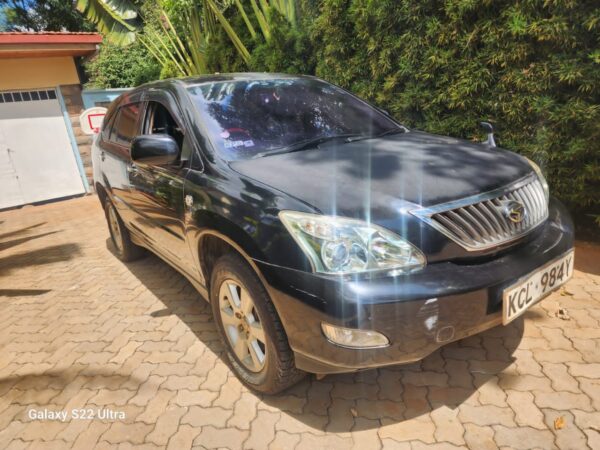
(391, 131)
(309, 143)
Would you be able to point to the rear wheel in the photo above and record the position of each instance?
(256, 344)
(125, 249)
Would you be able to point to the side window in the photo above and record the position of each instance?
(107, 126)
(124, 128)
(160, 121)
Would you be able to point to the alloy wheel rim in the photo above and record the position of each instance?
(115, 231)
(242, 325)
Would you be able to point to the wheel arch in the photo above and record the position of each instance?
(212, 244)
(101, 193)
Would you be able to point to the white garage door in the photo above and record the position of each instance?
(36, 158)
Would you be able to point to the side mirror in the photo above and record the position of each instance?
(489, 129)
(155, 149)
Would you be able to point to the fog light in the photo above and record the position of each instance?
(353, 338)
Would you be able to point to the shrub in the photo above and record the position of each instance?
(289, 49)
(116, 67)
(531, 67)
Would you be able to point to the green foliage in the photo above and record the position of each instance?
(42, 15)
(288, 50)
(531, 67)
(117, 66)
(117, 20)
(221, 55)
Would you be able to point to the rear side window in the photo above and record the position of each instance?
(125, 126)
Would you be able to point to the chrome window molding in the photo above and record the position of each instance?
(475, 222)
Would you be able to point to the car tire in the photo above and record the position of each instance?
(276, 371)
(125, 249)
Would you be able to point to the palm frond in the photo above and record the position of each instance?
(246, 19)
(233, 36)
(260, 13)
(115, 19)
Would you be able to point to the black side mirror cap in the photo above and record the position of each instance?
(489, 129)
(155, 149)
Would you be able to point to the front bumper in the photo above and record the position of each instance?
(417, 312)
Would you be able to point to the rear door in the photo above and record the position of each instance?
(114, 145)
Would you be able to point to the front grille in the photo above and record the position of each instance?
(484, 221)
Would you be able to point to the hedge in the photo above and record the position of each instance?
(530, 67)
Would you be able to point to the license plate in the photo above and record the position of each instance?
(520, 296)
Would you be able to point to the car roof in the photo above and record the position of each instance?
(217, 77)
(173, 83)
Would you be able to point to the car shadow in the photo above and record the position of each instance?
(363, 400)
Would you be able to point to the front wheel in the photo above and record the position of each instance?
(255, 340)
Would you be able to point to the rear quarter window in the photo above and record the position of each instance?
(125, 125)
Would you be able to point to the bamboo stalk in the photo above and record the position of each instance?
(262, 21)
(168, 33)
(246, 19)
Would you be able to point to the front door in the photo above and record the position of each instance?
(157, 191)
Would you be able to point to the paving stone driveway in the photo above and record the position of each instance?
(80, 330)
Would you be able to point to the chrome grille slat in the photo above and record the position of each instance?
(479, 222)
(488, 227)
(474, 222)
(469, 229)
(493, 210)
(442, 218)
(532, 217)
(537, 191)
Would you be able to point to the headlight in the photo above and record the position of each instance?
(337, 245)
(541, 177)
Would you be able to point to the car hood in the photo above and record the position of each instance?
(376, 178)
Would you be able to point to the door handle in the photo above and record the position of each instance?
(102, 156)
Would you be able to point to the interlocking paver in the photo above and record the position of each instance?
(526, 412)
(183, 438)
(262, 431)
(284, 441)
(200, 416)
(166, 425)
(79, 329)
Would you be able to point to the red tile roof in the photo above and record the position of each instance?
(49, 37)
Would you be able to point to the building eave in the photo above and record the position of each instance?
(27, 45)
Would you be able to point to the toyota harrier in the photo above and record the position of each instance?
(326, 236)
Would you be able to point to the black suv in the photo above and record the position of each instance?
(326, 236)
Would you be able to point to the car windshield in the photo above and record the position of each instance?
(251, 118)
